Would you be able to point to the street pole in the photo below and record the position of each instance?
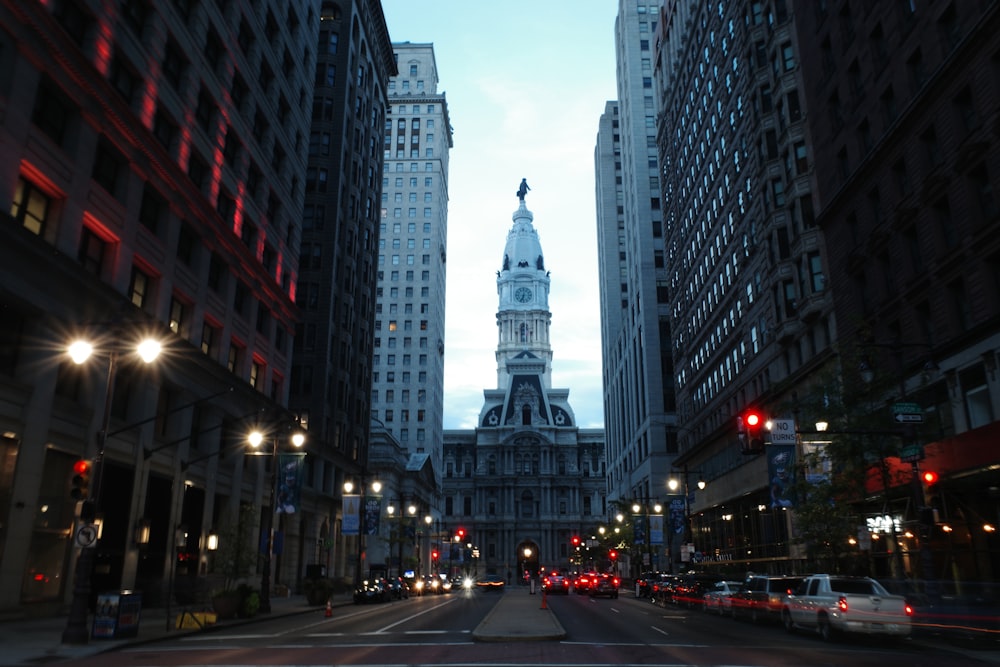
(265, 576)
(76, 624)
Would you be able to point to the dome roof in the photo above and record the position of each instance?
(523, 252)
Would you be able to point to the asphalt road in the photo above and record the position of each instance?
(437, 630)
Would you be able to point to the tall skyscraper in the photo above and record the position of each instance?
(331, 371)
(153, 171)
(635, 333)
(407, 395)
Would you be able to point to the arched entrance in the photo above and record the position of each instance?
(527, 556)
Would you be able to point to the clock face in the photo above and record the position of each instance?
(522, 294)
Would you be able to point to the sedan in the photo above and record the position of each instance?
(718, 598)
(491, 582)
(583, 582)
(555, 582)
(373, 590)
(604, 584)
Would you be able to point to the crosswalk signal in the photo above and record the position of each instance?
(80, 481)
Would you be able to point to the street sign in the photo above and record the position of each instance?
(908, 419)
(86, 535)
(911, 453)
(783, 432)
(907, 413)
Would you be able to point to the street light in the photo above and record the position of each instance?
(80, 351)
(647, 508)
(674, 485)
(376, 487)
(256, 439)
(411, 510)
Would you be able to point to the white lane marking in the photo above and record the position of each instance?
(413, 616)
(662, 632)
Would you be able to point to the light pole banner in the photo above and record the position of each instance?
(639, 529)
(351, 521)
(677, 509)
(373, 512)
(656, 529)
(289, 483)
(780, 460)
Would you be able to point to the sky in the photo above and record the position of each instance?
(526, 84)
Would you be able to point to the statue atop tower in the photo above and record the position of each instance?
(523, 190)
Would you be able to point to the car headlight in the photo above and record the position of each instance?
(467, 583)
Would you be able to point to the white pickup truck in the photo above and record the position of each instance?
(831, 604)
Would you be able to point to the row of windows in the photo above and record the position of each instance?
(411, 228)
(425, 276)
(404, 397)
(34, 209)
(410, 212)
(392, 342)
(412, 196)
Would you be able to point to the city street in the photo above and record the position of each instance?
(439, 630)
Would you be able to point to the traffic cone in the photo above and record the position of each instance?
(329, 610)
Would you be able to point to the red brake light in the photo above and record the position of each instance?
(908, 609)
(842, 603)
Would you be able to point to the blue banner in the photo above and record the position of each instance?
(289, 491)
(780, 464)
(351, 521)
(656, 529)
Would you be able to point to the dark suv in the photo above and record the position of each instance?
(761, 596)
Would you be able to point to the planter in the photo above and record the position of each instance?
(226, 605)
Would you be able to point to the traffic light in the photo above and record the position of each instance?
(613, 555)
(435, 555)
(575, 540)
(461, 534)
(80, 481)
(751, 432)
(930, 477)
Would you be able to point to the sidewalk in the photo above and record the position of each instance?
(39, 640)
(517, 616)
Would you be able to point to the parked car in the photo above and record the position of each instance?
(371, 590)
(833, 604)
(718, 599)
(689, 589)
(604, 584)
(761, 597)
(644, 584)
(556, 582)
(662, 588)
(491, 582)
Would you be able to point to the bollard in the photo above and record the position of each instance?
(329, 610)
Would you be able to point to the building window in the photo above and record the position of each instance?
(108, 164)
(91, 251)
(139, 286)
(30, 206)
(178, 315)
(52, 111)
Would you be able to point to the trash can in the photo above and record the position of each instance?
(117, 615)
(315, 571)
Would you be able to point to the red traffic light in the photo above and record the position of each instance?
(613, 555)
(752, 419)
(434, 555)
(929, 477)
(80, 481)
(461, 533)
(575, 540)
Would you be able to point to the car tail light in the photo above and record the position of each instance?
(842, 603)
(908, 609)
(616, 581)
